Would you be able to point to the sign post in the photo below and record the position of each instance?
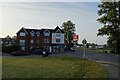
(75, 39)
(84, 43)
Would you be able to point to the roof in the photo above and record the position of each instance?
(40, 30)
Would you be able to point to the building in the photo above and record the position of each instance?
(7, 41)
(51, 40)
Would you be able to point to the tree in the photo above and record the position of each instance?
(69, 30)
(14, 39)
(8, 37)
(109, 13)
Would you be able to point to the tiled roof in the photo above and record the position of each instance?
(41, 30)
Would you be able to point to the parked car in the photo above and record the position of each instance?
(72, 49)
(19, 53)
(40, 52)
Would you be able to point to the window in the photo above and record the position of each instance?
(6, 42)
(22, 48)
(37, 47)
(46, 48)
(58, 40)
(38, 33)
(32, 33)
(1, 42)
(46, 33)
(22, 34)
(31, 41)
(22, 41)
(46, 40)
(57, 34)
(38, 41)
(31, 47)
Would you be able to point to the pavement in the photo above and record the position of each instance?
(107, 60)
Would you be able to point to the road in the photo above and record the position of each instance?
(109, 61)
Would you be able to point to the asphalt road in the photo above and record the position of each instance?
(109, 61)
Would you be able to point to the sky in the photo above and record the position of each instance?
(15, 15)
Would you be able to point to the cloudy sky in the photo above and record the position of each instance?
(14, 15)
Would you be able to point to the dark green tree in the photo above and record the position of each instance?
(109, 13)
(69, 30)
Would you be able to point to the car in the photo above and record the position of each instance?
(40, 52)
(19, 53)
(72, 49)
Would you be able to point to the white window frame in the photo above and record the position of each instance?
(58, 31)
(38, 33)
(46, 33)
(32, 33)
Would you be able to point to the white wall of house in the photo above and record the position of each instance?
(54, 37)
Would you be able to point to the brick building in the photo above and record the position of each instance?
(51, 40)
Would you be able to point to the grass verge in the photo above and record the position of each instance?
(51, 67)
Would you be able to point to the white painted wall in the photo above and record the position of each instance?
(54, 38)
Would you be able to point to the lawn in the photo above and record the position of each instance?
(51, 67)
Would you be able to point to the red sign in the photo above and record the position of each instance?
(75, 37)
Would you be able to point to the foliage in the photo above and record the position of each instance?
(109, 13)
(51, 67)
(10, 49)
(69, 30)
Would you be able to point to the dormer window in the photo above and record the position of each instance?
(32, 33)
(58, 33)
(38, 33)
(46, 33)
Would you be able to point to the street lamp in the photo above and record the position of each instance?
(84, 43)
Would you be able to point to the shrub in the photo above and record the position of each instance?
(10, 49)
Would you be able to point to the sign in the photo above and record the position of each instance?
(75, 37)
(84, 41)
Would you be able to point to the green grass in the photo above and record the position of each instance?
(51, 67)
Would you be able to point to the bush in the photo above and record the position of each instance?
(9, 49)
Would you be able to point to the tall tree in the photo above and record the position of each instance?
(69, 30)
(109, 13)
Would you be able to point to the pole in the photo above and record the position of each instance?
(84, 55)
